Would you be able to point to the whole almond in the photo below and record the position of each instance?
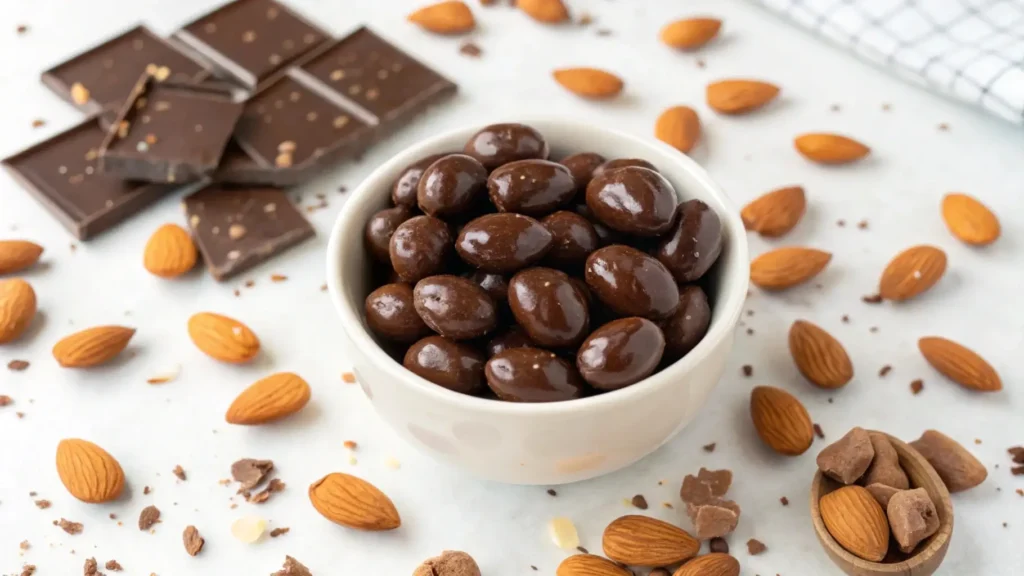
(786, 267)
(830, 148)
(269, 399)
(714, 564)
(92, 346)
(88, 471)
(679, 127)
(547, 11)
(960, 364)
(353, 502)
(17, 255)
(857, 522)
(169, 252)
(17, 308)
(590, 565)
(223, 338)
(968, 220)
(739, 96)
(819, 356)
(912, 272)
(690, 33)
(781, 420)
(589, 82)
(449, 17)
(644, 541)
(776, 212)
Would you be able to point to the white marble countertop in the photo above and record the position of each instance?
(152, 428)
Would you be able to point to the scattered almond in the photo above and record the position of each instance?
(775, 213)
(353, 502)
(787, 267)
(912, 272)
(448, 17)
(17, 308)
(92, 347)
(223, 338)
(169, 252)
(589, 82)
(830, 148)
(88, 471)
(269, 399)
(857, 522)
(714, 564)
(781, 420)
(679, 127)
(590, 565)
(968, 220)
(819, 356)
(547, 11)
(690, 33)
(739, 96)
(644, 541)
(17, 255)
(960, 364)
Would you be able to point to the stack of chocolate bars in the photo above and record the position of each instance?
(244, 101)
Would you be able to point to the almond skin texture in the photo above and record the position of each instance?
(269, 399)
(169, 252)
(589, 82)
(645, 541)
(830, 148)
(690, 33)
(912, 272)
(786, 267)
(16, 255)
(714, 564)
(679, 127)
(449, 17)
(781, 420)
(819, 356)
(960, 364)
(353, 502)
(17, 308)
(966, 218)
(739, 96)
(775, 213)
(590, 565)
(92, 346)
(547, 11)
(223, 338)
(88, 471)
(857, 522)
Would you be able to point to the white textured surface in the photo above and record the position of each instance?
(150, 429)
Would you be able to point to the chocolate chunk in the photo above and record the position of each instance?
(705, 486)
(149, 517)
(713, 520)
(449, 563)
(632, 283)
(957, 467)
(912, 518)
(500, 144)
(250, 472)
(755, 547)
(192, 540)
(69, 526)
(848, 458)
(549, 308)
(882, 493)
(885, 467)
(1017, 454)
(391, 314)
(292, 567)
(639, 501)
(453, 365)
(719, 545)
(532, 375)
(620, 353)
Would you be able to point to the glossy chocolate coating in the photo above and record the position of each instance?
(514, 337)
(632, 283)
(620, 353)
(532, 375)
(694, 244)
(684, 329)
(582, 166)
(403, 191)
(454, 307)
(390, 313)
(503, 242)
(453, 365)
(379, 229)
(549, 307)
(622, 163)
(500, 144)
(633, 200)
(605, 235)
(533, 187)
(419, 248)
(451, 186)
(495, 285)
(573, 237)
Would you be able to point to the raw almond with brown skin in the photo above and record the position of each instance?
(269, 399)
(17, 308)
(644, 541)
(590, 565)
(89, 472)
(690, 33)
(912, 272)
(775, 213)
(819, 356)
(714, 564)
(857, 522)
(970, 220)
(169, 252)
(781, 420)
(353, 502)
(223, 338)
(960, 364)
(589, 83)
(739, 96)
(787, 267)
(17, 255)
(92, 346)
(547, 11)
(449, 17)
(679, 127)
(830, 148)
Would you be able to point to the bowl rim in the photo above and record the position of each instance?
(731, 302)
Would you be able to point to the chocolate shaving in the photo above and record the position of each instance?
(292, 567)
(17, 365)
(872, 299)
(276, 485)
(69, 526)
(755, 547)
(250, 473)
(885, 370)
(639, 501)
(192, 540)
(279, 532)
(149, 516)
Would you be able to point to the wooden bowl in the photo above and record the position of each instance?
(926, 558)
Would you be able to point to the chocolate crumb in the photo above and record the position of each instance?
(846, 319)
(585, 19)
(38, 123)
(784, 501)
(342, 189)
(835, 108)
(551, 492)
(755, 547)
(977, 440)
(470, 49)
(667, 505)
(872, 299)
(1017, 454)
(24, 545)
(292, 567)
(146, 490)
(113, 566)
(750, 331)
(17, 365)
(21, 29)
(750, 312)
(748, 370)
(863, 224)
(582, 550)
(323, 287)
(179, 472)
(639, 501)
(28, 570)
(279, 532)
(278, 277)
(1020, 492)
(249, 283)
(818, 431)
(885, 370)
(91, 568)
(533, 567)
(350, 444)
(69, 526)
(701, 63)
(149, 517)
(42, 504)
(709, 447)
(886, 107)
(604, 32)
(113, 516)
(5, 400)
(1017, 470)
(841, 223)
(237, 292)
(873, 329)
(275, 485)
(32, 494)
(943, 127)
(718, 544)
(192, 540)
(348, 378)
(916, 386)
(250, 472)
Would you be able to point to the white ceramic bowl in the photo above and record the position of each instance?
(551, 443)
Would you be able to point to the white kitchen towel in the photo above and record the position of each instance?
(972, 50)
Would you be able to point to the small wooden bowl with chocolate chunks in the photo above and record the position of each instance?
(925, 559)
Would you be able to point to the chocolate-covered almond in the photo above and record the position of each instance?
(632, 283)
(403, 191)
(530, 186)
(453, 365)
(548, 306)
(514, 337)
(633, 200)
(573, 237)
(451, 185)
(495, 285)
(620, 353)
(694, 244)
(499, 144)
(532, 375)
(454, 307)
(379, 229)
(419, 248)
(503, 242)
(688, 325)
(582, 167)
(622, 163)
(391, 314)
(605, 235)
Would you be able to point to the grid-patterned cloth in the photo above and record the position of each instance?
(972, 50)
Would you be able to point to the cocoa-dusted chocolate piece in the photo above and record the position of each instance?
(882, 493)
(533, 187)
(500, 144)
(449, 563)
(504, 242)
(456, 366)
(706, 486)
(454, 307)
(192, 540)
(495, 285)
(713, 520)
(532, 375)
(846, 459)
(633, 200)
(617, 163)
(451, 185)
(381, 227)
(912, 518)
(514, 337)
(631, 282)
(149, 517)
(250, 472)
(957, 467)
(694, 244)
(403, 191)
(391, 313)
(582, 167)
(548, 307)
(620, 353)
(573, 238)
(292, 567)
(686, 327)
(885, 467)
(419, 248)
